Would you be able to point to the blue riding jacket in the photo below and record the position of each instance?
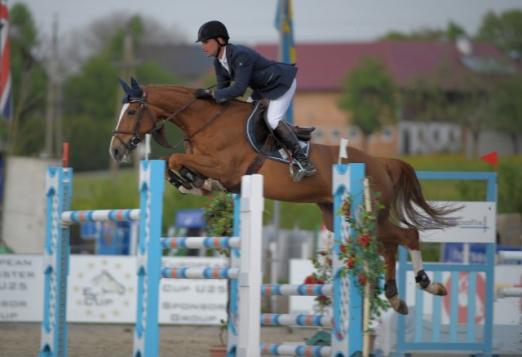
(268, 79)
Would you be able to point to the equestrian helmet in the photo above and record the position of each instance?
(212, 29)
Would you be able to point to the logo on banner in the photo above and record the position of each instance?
(463, 298)
(103, 287)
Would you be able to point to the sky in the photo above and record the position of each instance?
(252, 21)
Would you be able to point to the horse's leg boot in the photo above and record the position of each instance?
(424, 282)
(288, 139)
(178, 181)
(194, 178)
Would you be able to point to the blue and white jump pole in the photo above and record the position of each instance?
(57, 248)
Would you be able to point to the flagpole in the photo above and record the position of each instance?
(285, 26)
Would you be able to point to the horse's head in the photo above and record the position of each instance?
(136, 119)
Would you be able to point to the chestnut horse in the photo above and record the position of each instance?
(219, 153)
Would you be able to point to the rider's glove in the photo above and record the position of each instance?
(203, 94)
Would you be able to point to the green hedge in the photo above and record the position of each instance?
(103, 190)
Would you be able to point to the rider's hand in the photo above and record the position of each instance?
(203, 94)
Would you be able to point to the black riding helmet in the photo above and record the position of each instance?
(212, 29)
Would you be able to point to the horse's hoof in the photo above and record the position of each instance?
(437, 289)
(398, 305)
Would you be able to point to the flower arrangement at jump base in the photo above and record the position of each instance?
(219, 215)
(360, 259)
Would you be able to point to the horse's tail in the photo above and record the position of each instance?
(409, 198)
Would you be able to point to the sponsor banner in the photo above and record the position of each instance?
(21, 288)
(102, 289)
(194, 301)
(474, 223)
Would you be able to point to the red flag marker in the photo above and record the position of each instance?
(491, 158)
(65, 154)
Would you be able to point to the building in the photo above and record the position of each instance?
(323, 67)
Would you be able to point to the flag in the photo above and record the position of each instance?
(5, 69)
(285, 26)
(491, 158)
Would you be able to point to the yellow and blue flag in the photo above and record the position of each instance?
(285, 26)
(284, 23)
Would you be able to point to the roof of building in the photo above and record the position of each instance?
(324, 66)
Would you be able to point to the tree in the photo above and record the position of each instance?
(452, 32)
(29, 84)
(91, 95)
(424, 34)
(508, 110)
(456, 97)
(504, 30)
(369, 96)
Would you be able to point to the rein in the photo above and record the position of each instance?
(136, 137)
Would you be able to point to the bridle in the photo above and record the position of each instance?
(136, 138)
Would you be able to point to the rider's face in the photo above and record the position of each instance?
(210, 47)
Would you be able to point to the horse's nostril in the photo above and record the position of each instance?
(115, 152)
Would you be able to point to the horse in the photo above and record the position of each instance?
(217, 153)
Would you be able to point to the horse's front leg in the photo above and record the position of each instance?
(198, 169)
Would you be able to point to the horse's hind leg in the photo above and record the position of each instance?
(409, 237)
(327, 212)
(390, 285)
(421, 278)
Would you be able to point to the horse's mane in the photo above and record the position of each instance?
(188, 90)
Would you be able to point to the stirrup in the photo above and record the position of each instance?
(297, 171)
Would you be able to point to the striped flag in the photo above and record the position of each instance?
(285, 25)
(5, 69)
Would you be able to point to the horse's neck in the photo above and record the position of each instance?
(192, 116)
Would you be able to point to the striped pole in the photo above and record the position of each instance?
(297, 290)
(200, 273)
(200, 242)
(289, 349)
(115, 215)
(295, 320)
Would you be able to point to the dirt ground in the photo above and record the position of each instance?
(88, 340)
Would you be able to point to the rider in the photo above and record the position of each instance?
(268, 79)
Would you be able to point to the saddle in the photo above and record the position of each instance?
(264, 142)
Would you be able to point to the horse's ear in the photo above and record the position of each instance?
(136, 89)
(134, 83)
(159, 136)
(125, 86)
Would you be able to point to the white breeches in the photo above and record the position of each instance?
(277, 107)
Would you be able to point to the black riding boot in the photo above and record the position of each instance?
(288, 139)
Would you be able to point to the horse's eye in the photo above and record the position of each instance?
(131, 112)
